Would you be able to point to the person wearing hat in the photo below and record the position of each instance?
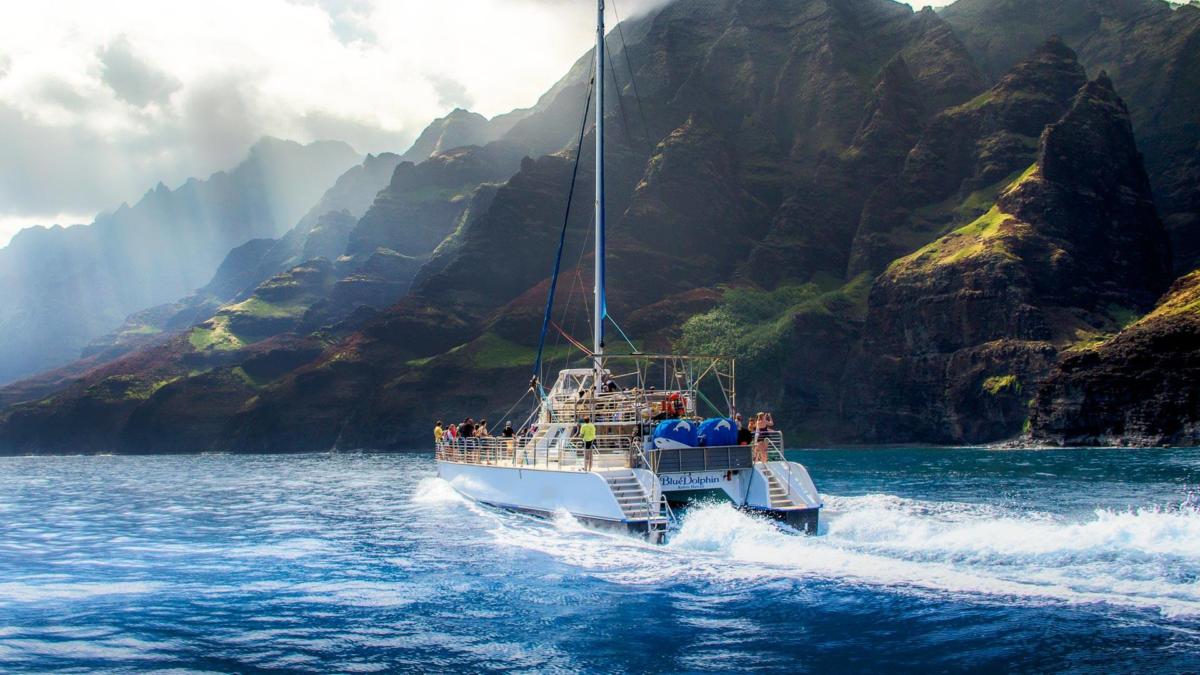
(510, 440)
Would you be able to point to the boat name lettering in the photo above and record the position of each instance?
(691, 480)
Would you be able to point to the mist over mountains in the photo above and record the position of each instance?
(65, 286)
(947, 227)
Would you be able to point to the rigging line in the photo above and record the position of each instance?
(572, 340)
(576, 281)
(562, 237)
(578, 285)
(632, 78)
(620, 99)
(566, 312)
(514, 407)
(622, 332)
(710, 403)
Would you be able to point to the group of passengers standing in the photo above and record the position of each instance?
(467, 435)
(755, 432)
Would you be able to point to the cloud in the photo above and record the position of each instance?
(359, 132)
(58, 92)
(131, 78)
(99, 101)
(450, 92)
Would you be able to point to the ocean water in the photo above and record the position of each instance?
(928, 561)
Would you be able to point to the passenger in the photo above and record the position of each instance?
(587, 432)
(479, 439)
(763, 423)
(450, 436)
(438, 432)
(744, 435)
(510, 441)
(466, 437)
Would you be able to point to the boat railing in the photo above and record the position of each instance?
(709, 458)
(536, 452)
(775, 453)
(623, 406)
(664, 506)
(606, 407)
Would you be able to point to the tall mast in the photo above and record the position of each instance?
(600, 302)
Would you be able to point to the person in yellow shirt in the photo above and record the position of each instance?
(587, 433)
(438, 433)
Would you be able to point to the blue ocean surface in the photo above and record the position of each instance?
(929, 561)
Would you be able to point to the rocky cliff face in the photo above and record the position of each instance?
(964, 157)
(67, 286)
(1137, 388)
(784, 155)
(958, 333)
(1152, 51)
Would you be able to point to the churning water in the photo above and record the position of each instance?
(929, 560)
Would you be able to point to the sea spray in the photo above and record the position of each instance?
(1147, 558)
(433, 490)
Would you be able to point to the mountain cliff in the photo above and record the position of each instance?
(906, 228)
(959, 331)
(1151, 49)
(1136, 388)
(67, 286)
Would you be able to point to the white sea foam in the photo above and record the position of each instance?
(434, 490)
(1148, 558)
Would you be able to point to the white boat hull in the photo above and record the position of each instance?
(587, 496)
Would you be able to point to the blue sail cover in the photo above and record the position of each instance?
(675, 434)
(718, 431)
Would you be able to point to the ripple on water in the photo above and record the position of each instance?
(367, 563)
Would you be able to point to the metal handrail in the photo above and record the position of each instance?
(707, 455)
(663, 504)
(775, 451)
(519, 450)
(500, 451)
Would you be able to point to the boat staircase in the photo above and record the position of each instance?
(776, 489)
(635, 503)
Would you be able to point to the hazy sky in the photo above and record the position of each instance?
(101, 100)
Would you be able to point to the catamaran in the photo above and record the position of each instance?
(617, 444)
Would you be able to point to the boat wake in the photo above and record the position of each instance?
(1147, 558)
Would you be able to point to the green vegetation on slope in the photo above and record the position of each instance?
(127, 388)
(999, 384)
(979, 237)
(214, 334)
(755, 324)
(1183, 299)
(262, 309)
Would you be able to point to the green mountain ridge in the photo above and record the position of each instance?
(834, 190)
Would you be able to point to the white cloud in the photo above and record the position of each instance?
(101, 100)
